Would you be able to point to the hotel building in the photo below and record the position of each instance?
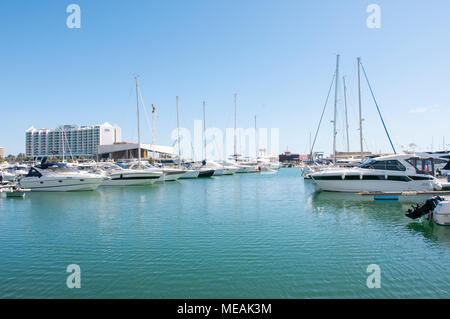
(78, 140)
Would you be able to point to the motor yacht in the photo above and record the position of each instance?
(394, 173)
(6, 176)
(133, 176)
(58, 177)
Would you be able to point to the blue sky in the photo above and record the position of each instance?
(278, 56)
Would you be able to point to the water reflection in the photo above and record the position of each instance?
(390, 213)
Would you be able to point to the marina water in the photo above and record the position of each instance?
(243, 236)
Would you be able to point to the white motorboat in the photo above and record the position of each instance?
(392, 173)
(58, 177)
(120, 176)
(190, 174)
(171, 174)
(6, 176)
(230, 170)
(208, 165)
(246, 168)
(441, 214)
(436, 209)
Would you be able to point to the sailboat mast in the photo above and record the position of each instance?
(346, 116)
(63, 149)
(178, 133)
(359, 103)
(335, 108)
(204, 128)
(235, 123)
(137, 113)
(256, 140)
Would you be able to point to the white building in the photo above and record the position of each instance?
(78, 140)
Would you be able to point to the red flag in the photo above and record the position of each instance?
(153, 109)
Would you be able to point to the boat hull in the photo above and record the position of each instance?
(60, 185)
(357, 186)
(229, 171)
(246, 169)
(218, 172)
(206, 173)
(441, 214)
(170, 176)
(190, 174)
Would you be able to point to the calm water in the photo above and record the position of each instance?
(246, 236)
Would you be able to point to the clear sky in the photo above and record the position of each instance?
(279, 56)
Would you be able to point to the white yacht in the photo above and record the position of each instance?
(394, 173)
(6, 176)
(58, 177)
(211, 165)
(189, 173)
(121, 176)
(229, 168)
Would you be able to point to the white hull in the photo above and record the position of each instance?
(246, 169)
(190, 174)
(357, 186)
(170, 177)
(128, 182)
(60, 185)
(441, 214)
(8, 177)
(218, 172)
(131, 178)
(229, 171)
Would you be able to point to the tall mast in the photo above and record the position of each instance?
(335, 108)
(256, 141)
(178, 133)
(204, 128)
(63, 150)
(346, 116)
(137, 112)
(235, 123)
(359, 103)
(153, 129)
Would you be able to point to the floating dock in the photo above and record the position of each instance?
(395, 195)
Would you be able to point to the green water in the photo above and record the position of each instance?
(246, 236)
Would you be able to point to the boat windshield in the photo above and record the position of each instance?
(390, 165)
(57, 167)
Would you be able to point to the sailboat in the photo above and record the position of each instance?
(188, 173)
(236, 159)
(137, 173)
(208, 168)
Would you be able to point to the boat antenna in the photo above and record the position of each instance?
(378, 109)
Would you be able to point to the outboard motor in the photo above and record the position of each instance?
(418, 211)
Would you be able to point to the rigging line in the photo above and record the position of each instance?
(379, 112)
(321, 117)
(145, 110)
